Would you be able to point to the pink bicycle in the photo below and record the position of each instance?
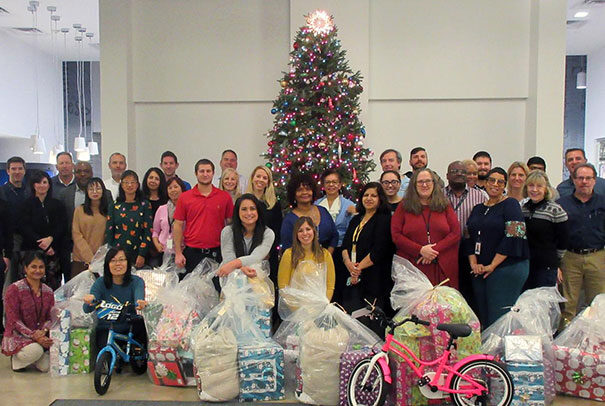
(474, 380)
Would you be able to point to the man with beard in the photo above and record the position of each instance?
(484, 164)
(463, 199)
(418, 160)
(205, 210)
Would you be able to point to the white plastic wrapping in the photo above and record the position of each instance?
(98, 260)
(534, 314)
(413, 294)
(70, 295)
(586, 332)
(177, 309)
(157, 278)
(217, 339)
(317, 332)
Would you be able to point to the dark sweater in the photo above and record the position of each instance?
(42, 219)
(546, 225)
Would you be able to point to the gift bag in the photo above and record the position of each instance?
(534, 316)
(322, 331)
(579, 351)
(69, 297)
(157, 278)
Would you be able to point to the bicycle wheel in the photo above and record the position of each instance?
(103, 373)
(490, 374)
(373, 393)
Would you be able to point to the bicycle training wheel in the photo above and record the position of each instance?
(373, 393)
(103, 373)
(488, 373)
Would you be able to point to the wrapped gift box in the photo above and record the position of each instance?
(262, 317)
(261, 372)
(59, 350)
(164, 366)
(186, 358)
(80, 350)
(580, 373)
(523, 348)
(348, 360)
(528, 378)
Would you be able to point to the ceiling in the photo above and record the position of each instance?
(585, 35)
(85, 12)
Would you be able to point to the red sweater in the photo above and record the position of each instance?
(409, 232)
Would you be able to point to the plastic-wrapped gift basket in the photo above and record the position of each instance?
(317, 334)
(413, 294)
(170, 320)
(233, 358)
(580, 354)
(523, 338)
(72, 330)
(164, 276)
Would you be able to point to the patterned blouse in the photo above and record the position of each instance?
(129, 227)
(25, 313)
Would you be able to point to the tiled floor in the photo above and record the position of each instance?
(35, 389)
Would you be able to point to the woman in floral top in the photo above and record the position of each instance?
(129, 220)
(497, 249)
(27, 303)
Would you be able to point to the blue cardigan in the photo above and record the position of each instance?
(342, 218)
(328, 235)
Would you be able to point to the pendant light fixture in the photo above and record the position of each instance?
(38, 146)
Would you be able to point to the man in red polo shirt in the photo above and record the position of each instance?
(200, 215)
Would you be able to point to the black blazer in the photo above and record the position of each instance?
(39, 220)
(375, 240)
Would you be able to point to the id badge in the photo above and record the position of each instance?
(354, 256)
(169, 244)
(477, 248)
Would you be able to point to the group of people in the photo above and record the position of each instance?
(488, 232)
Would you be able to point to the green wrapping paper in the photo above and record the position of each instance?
(80, 350)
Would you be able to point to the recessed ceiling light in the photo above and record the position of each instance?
(581, 14)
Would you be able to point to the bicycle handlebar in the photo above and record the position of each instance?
(379, 313)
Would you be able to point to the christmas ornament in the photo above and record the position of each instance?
(269, 165)
(283, 83)
(273, 110)
(295, 45)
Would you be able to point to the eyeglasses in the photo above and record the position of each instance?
(387, 183)
(457, 171)
(95, 189)
(494, 181)
(118, 260)
(331, 182)
(424, 182)
(585, 178)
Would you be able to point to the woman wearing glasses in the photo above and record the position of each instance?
(496, 245)
(425, 229)
(129, 220)
(390, 181)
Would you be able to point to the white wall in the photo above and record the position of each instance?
(18, 97)
(455, 77)
(595, 102)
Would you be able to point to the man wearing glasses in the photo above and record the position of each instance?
(583, 262)
(573, 158)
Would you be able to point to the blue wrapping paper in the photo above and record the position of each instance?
(59, 350)
(528, 379)
(261, 372)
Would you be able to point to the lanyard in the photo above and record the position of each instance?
(356, 234)
(460, 201)
(427, 223)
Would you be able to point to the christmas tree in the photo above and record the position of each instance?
(317, 123)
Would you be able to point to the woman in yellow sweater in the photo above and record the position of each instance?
(305, 247)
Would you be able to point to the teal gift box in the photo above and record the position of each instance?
(528, 379)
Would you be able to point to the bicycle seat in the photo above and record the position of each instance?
(456, 330)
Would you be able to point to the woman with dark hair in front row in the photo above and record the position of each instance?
(117, 284)
(43, 226)
(367, 252)
(247, 241)
(27, 303)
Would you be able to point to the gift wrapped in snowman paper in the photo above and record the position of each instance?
(59, 350)
(322, 331)
(580, 354)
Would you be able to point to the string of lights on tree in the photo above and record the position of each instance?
(317, 123)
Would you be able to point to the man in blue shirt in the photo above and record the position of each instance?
(584, 261)
(573, 158)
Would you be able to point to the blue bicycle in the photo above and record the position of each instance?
(112, 354)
